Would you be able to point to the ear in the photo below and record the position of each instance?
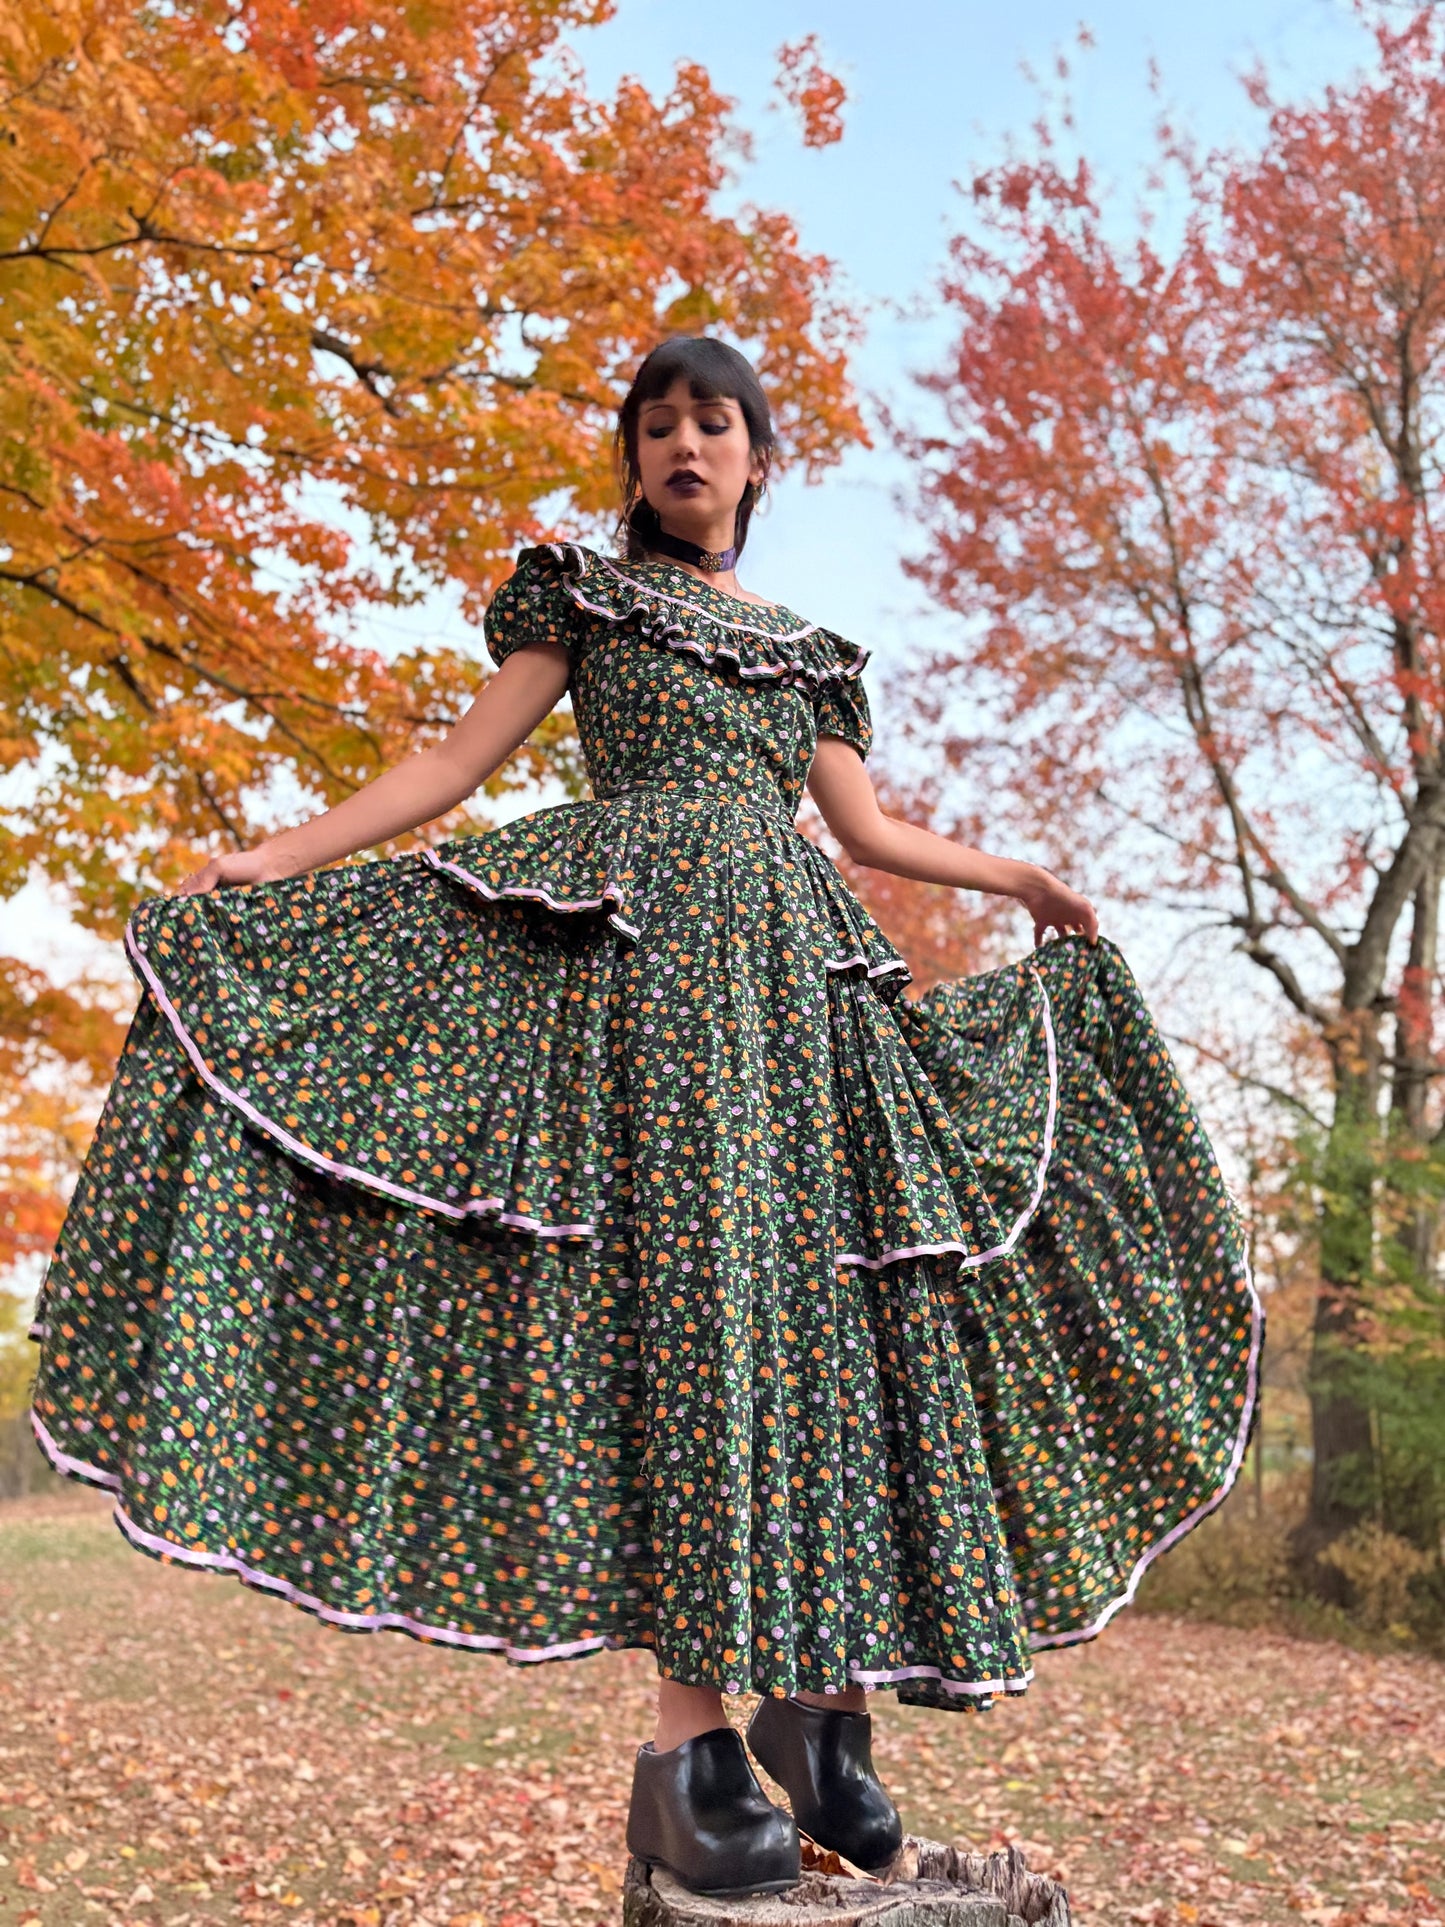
(758, 470)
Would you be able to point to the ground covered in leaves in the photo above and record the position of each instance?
(175, 1748)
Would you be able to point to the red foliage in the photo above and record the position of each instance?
(816, 95)
(1189, 504)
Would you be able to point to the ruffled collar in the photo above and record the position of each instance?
(665, 582)
(670, 606)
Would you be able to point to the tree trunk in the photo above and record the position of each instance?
(929, 1885)
(1415, 1058)
(1410, 1484)
(1342, 1484)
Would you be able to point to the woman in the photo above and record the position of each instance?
(568, 1238)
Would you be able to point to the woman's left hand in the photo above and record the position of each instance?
(1054, 906)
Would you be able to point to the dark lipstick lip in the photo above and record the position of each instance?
(684, 475)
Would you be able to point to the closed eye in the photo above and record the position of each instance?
(660, 433)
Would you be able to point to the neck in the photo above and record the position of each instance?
(715, 566)
(717, 535)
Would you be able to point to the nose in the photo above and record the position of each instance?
(686, 442)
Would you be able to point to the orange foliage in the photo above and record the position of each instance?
(269, 267)
(816, 95)
(57, 1048)
(280, 280)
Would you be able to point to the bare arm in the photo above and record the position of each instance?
(505, 712)
(840, 787)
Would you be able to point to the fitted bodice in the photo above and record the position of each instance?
(661, 717)
(676, 685)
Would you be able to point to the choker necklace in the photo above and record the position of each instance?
(715, 561)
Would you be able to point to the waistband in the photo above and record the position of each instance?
(766, 800)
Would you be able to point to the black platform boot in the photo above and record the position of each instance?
(698, 1811)
(825, 1761)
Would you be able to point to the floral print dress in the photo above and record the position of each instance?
(570, 1237)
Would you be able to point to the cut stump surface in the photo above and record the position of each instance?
(929, 1885)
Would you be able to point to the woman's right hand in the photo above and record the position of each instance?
(264, 864)
(1054, 906)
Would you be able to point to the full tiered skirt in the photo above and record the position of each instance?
(570, 1239)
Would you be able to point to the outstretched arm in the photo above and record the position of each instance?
(506, 710)
(839, 785)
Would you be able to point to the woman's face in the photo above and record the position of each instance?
(694, 462)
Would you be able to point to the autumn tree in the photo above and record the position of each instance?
(1187, 501)
(306, 311)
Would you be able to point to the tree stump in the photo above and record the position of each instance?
(929, 1885)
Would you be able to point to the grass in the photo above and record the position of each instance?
(177, 1749)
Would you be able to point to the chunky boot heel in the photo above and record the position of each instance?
(825, 1762)
(699, 1812)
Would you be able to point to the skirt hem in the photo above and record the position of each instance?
(1041, 1642)
(167, 1551)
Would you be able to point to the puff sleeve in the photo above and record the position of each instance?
(534, 604)
(841, 707)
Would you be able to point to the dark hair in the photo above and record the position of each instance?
(713, 372)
